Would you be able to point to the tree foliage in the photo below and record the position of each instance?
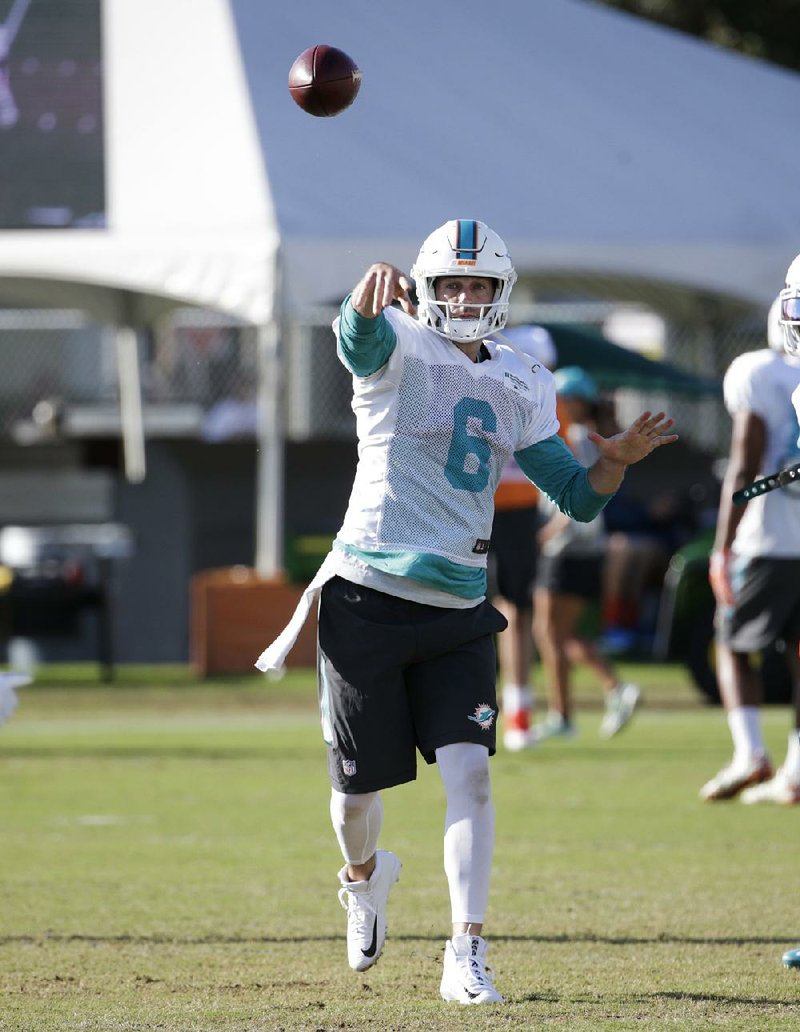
(761, 28)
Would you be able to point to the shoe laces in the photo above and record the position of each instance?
(475, 975)
(360, 909)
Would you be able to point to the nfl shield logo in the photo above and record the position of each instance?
(349, 767)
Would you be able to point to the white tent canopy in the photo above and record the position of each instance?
(593, 142)
(590, 140)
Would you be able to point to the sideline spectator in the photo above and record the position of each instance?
(512, 564)
(570, 579)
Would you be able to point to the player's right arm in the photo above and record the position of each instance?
(748, 444)
(366, 338)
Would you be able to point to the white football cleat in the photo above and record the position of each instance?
(365, 903)
(465, 977)
(515, 739)
(738, 775)
(777, 790)
(554, 725)
(620, 704)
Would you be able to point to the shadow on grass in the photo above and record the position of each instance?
(649, 998)
(293, 940)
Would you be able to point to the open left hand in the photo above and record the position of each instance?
(643, 436)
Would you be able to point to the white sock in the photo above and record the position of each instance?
(357, 821)
(745, 726)
(469, 829)
(791, 765)
(517, 697)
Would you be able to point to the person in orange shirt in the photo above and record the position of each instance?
(512, 565)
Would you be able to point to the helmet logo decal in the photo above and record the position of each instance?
(467, 240)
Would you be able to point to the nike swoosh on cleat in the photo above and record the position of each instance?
(374, 944)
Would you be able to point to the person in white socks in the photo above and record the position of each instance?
(513, 555)
(755, 566)
(406, 648)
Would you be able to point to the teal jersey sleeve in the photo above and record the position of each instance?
(555, 470)
(364, 344)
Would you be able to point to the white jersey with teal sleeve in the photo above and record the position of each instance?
(764, 382)
(435, 430)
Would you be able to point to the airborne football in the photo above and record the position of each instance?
(324, 81)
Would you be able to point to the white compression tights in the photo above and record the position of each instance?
(468, 830)
(357, 821)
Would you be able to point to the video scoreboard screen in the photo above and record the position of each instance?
(52, 172)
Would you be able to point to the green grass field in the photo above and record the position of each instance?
(166, 862)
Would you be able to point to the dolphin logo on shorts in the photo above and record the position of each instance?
(483, 716)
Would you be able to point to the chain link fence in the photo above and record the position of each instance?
(60, 373)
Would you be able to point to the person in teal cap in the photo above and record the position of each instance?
(570, 579)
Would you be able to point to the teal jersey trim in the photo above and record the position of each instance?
(366, 344)
(433, 570)
(555, 470)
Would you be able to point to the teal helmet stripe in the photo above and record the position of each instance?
(467, 239)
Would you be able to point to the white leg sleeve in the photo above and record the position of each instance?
(469, 828)
(357, 821)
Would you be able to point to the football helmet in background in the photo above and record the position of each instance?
(774, 328)
(463, 247)
(790, 309)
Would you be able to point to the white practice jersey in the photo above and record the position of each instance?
(435, 431)
(764, 382)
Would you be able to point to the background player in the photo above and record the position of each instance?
(755, 564)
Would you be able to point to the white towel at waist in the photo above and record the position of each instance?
(274, 656)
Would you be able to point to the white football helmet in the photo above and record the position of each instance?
(463, 247)
(790, 309)
(774, 328)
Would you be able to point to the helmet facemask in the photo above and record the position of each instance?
(790, 309)
(463, 248)
(790, 319)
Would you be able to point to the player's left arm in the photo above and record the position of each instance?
(582, 493)
(552, 467)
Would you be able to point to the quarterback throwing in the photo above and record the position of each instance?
(406, 634)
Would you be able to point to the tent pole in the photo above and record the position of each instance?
(130, 403)
(269, 475)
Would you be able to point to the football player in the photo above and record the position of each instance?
(406, 634)
(755, 563)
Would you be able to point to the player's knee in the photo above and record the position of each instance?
(351, 806)
(470, 782)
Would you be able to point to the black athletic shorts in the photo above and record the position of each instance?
(512, 555)
(580, 575)
(396, 676)
(767, 606)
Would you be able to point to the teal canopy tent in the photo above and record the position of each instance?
(615, 366)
